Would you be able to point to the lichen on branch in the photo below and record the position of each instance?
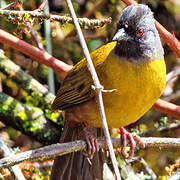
(28, 119)
(85, 23)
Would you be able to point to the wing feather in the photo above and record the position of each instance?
(76, 87)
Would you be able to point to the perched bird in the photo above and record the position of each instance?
(132, 64)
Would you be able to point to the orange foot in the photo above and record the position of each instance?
(92, 144)
(125, 134)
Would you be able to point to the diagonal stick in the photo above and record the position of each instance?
(98, 86)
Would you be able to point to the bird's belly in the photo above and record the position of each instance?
(121, 110)
(137, 90)
(128, 108)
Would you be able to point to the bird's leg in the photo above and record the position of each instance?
(133, 138)
(91, 140)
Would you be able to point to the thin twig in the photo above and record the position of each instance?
(36, 40)
(43, 57)
(41, 7)
(60, 149)
(84, 22)
(148, 169)
(172, 126)
(98, 86)
(174, 73)
(144, 164)
(8, 152)
(171, 79)
(172, 97)
(33, 33)
(9, 6)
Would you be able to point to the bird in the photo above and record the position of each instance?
(132, 64)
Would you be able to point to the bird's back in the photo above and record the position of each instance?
(77, 86)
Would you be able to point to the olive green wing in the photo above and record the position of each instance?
(76, 87)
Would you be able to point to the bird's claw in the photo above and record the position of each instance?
(92, 144)
(133, 138)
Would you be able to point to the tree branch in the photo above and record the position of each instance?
(170, 127)
(60, 149)
(169, 38)
(84, 22)
(9, 6)
(7, 151)
(167, 108)
(43, 57)
(29, 120)
(19, 86)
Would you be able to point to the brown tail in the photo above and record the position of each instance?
(75, 166)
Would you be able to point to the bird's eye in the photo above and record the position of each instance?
(140, 32)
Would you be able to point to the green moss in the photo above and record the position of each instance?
(26, 126)
(51, 115)
(22, 115)
(35, 126)
(8, 105)
(163, 122)
(3, 76)
(47, 134)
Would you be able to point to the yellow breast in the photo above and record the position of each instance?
(138, 86)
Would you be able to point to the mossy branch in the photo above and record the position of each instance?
(35, 118)
(29, 120)
(60, 149)
(84, 22)
(22, 85)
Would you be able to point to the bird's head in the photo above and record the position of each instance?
(136, 35)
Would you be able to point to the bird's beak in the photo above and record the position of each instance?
(119, 35)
